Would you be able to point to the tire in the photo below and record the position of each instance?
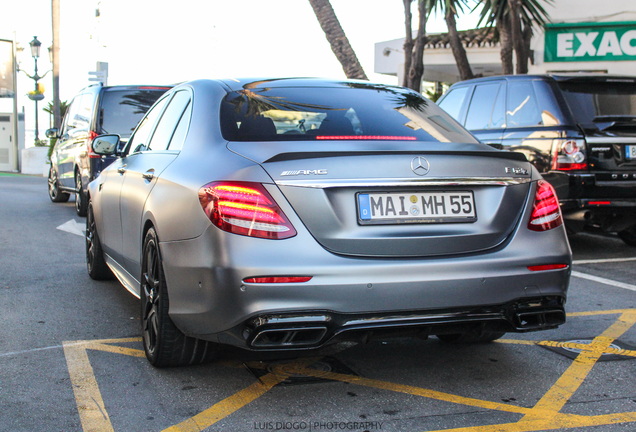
(475, 336)
(628, 235)
(165, 345)
(95, 263)
(81, 201)
(55, 193)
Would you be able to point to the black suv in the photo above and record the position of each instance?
(96, 110)
(578, 130)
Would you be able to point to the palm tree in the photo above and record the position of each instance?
(337, 39)
(414, 51)
(514, 20)
(450, 9)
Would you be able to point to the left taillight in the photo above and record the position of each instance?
(546, 213)
(245, 208)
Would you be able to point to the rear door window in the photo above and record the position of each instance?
(522, 107)
(453, 101)
(171, 116)
(481, 106)
(140, 140)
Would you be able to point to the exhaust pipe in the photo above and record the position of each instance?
(289, 337)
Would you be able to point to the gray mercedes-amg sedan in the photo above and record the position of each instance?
(281, 214)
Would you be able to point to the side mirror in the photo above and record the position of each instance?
(52, 133)
(106, 145)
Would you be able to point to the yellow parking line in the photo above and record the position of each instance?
(228, 406)
(90, 405)
(571, 380)
(116, 349)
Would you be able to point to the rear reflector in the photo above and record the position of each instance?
(245, 208)
(91, 154)
(278, 279)
(365, 137)
(547, 267)
(599, 203)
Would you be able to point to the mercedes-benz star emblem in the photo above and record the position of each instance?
(420, 166)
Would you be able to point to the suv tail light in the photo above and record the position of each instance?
(546, 213)
(569, 155)
(245, 208)
(91, 154)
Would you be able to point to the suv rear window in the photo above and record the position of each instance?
(121, 110)
(597, 100)
(369, 112)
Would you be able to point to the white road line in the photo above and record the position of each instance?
(608, 260)
(604, 281)
(41, 349)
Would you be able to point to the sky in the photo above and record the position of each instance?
(161, 42)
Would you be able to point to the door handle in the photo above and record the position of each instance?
(149, 175)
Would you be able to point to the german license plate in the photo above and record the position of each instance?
(630, 151)
(416, 207)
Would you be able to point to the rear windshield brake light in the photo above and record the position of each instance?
(365, 137)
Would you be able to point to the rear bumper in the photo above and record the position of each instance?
(347, 295)
(294, 331)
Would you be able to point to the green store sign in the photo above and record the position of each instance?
(583, 42)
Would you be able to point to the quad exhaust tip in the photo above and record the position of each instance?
(289, 337)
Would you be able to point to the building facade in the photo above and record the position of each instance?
(583, 36)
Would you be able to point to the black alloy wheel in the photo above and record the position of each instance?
(55, 193)
(164, 344)
(628, 235)
(95, 263)
(81, 203)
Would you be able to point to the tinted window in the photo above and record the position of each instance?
(84, 113)
(121, 110)
(522, 107)
(352, 112)
(176, 142)
(73, 109)
(589, 100)
(166, 126)
(481, 106)
(498, 119)
(453, 101)
(139, 141)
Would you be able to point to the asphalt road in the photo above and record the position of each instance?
(71, 360)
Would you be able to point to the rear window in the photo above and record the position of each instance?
(121, 110)
(593, 100)
(358, 112)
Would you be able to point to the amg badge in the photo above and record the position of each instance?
(304, 172)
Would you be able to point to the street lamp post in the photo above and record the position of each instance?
(36, 95)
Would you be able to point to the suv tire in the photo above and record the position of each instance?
(81, 203)
(54, 188)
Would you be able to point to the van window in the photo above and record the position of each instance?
(121, 110)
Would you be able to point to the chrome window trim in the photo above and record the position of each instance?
(611, 140)
(440, 181)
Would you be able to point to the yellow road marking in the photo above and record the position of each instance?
(116, 349)
(571, 380)
(228, 406)
(90, 405)
(545, 415)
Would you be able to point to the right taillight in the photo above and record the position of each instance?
(245, 208)
(546, 213)
(569, 155)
